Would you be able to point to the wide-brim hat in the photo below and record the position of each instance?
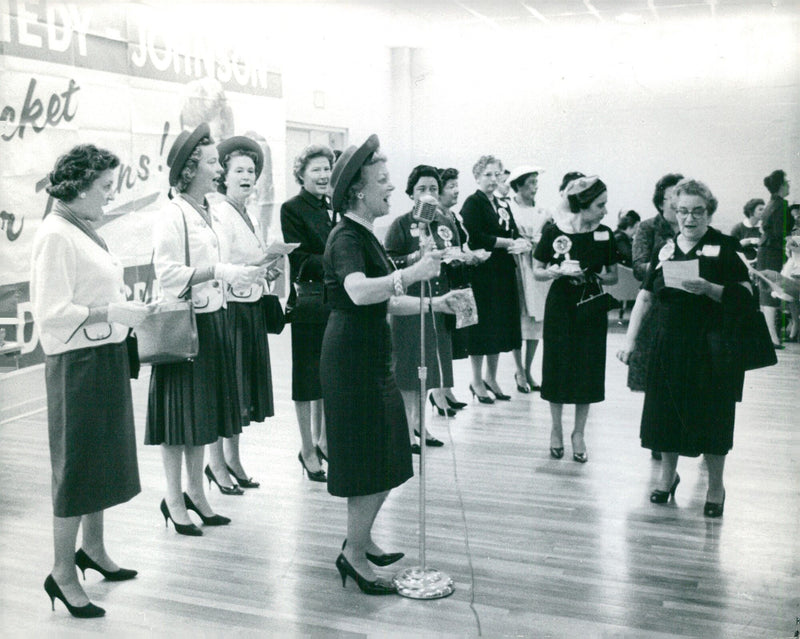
(182, 148)
(346, 168)
(526, 169)
(242, 143)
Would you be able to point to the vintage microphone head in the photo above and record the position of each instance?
(424, 210)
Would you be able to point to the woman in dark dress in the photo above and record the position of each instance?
(691, 393)
(748, 231)
(578, 253)
(369, 451)
(776, 225)
(494, 282)
(78, 298)
(307, 219)
(402, 244)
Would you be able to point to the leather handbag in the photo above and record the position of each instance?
(273, 314)
(308, 305)
(169, 334)
(755, 344)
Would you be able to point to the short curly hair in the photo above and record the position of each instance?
(417, 173)
(359, 181)
(688, 186)
(670, 179)
(189, 170)
(76, 171)
(751, 206)
(222, 187)
(447, 175)
(483, 162)
(306, 155)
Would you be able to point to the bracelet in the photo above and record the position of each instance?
(397, 282)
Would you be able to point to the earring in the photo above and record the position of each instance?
(82, 196)
(360, 196)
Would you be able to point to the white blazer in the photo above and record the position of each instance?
(70, 274)
(238, 245)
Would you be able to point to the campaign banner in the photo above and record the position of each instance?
(127, 78)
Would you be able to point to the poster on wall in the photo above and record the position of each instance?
(128, 78)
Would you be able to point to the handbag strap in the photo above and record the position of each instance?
(186, 258)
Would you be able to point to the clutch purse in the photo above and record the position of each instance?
(169, 333)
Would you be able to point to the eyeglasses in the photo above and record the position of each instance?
(697, 213)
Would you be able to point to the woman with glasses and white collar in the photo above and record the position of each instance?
(691, 391)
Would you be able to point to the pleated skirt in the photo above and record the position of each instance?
(248, 333)
(91, 430)
(193, 403)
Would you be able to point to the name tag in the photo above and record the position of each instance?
(601, 236)
(710, 250)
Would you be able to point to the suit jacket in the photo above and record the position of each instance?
(483, 223)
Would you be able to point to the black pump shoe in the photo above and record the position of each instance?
(182, 529)
(524, 387)
(455, 404)
(430, 440)
(557, 453)
(318, 475)
(376, 587)
(243, 482)
(444, 412)
(225, 490)
(497, 394)
(382, 560)
(89, 611)
(714, 510)
(483, 399)
(663, 496)
(208, 520)
(84, 561)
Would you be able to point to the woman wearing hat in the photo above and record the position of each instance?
(402, 243)
(776, 225)
(240, 236)
(307, 219)
(82, 317)
(369, 451)
(494, 282)
(524, 181)
(192, 403)
(579, 255)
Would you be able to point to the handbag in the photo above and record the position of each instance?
(273, 314)
(169, 334)
(755, 347)
(132, 345)
(594, 301)
(308, 305)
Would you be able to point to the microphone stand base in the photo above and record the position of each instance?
(416, 583)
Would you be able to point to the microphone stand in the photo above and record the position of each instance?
(421, 582)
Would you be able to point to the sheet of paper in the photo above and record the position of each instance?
(675, 273)
(281, 248)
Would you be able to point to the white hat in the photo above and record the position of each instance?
(525, 169)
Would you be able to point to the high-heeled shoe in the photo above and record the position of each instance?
(714, 510)
(581, 458)
(483, 399)
(448, 412)
(524, 387)
(386, 559)
(454, 403)
(497, 394)
(430, 440)
(317, 475)
(182, 529)
(89, 611)
(376, 587)
(320, 455)
(208, 520)
(535, 386)
(243, 482)
(663, 496)
(556, 453)
(225, 490)
(84, 561)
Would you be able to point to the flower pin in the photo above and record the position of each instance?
(666, 252)
(562, 245)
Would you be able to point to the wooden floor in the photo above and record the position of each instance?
(536, 547)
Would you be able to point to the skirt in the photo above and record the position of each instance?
(193, 403)
(248, 331)
(91, 431)
(306, 351)
(405, 354)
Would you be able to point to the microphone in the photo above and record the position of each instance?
(424, 210)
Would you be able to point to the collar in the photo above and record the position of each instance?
(202, 209)
(360, 220)
(65, 212)
(323, 204)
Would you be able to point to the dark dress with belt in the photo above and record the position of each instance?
(368, 446)
(494, 282)
(691, 393)
(776, 225)
(401, 240)
(574, 335)
(308, 220)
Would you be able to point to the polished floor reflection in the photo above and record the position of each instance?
(537, 547)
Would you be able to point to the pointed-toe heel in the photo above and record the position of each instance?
(714, 510)
(89, 611)
(386, 559)
(225, 490)
(663, 496)
(244, 482)
(208, 520)
(85, 562)
(376, 587)
(182, 529)
(581, 458)
(524, 387)
(443, 412)
(455, 404)
(497, 394)
(316, 475)
(483, 399)
(557, 453)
